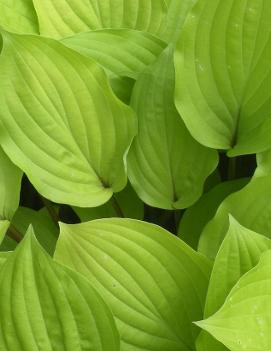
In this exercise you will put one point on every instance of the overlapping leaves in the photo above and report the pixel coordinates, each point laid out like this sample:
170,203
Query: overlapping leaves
45,306
239,252
153,282
250,206
62,18
243,322
223,74
166,166
64,65
61,123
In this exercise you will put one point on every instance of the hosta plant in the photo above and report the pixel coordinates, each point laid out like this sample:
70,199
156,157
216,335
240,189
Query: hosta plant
135,175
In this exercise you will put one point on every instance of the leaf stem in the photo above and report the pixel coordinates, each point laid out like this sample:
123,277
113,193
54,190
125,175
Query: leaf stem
14,234
50,208
117,207
232,168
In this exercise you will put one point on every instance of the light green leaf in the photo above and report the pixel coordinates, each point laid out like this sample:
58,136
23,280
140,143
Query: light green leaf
4,224
176,15
166,166
81,16
122,204
18,16
240,251
45,306
250,206
62,123
124,52
3,257
154,283
243,323
197,216
46,230
223,89
10,186
263,164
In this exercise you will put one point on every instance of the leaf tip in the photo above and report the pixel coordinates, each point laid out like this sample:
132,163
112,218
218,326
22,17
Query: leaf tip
65,230
199,323
232,219
30,236
203,324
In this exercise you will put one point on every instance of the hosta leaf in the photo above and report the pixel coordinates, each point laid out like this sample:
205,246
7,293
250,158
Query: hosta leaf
154,283
223,89
3,257
263,164
7,244
250,206
4,224
46,230
122,87
197,216
166,166
176,15
239,252
124,52
243,323
45,306
18,16
10,186
61,122
213,180
66,17
122,204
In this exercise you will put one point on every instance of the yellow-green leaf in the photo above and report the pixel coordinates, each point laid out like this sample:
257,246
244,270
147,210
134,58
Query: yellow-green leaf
61,123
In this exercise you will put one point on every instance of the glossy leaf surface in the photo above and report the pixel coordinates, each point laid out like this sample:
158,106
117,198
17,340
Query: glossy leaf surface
240,251
166,166
62,124
45,306
223,87
243,322
83,15
124,52
250,206
154,283
176,16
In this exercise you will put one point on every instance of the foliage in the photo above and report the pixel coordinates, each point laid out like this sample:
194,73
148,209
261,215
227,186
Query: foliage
135,175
